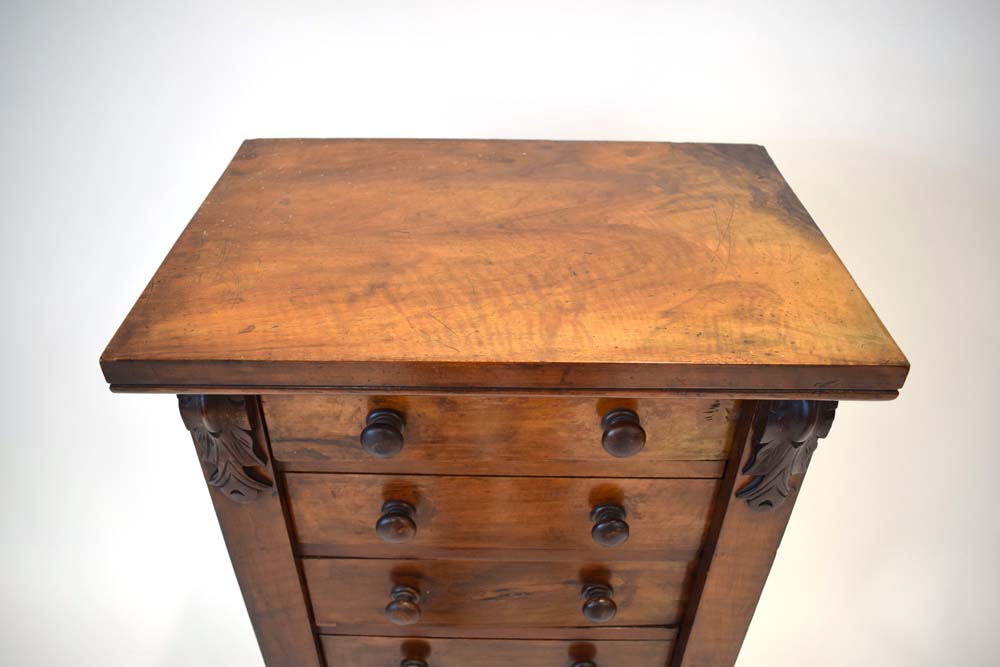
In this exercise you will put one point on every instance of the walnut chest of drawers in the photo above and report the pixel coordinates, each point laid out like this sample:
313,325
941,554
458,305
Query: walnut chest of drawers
503,402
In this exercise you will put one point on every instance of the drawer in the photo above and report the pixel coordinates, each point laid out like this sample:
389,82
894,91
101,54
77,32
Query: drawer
357,596
399,516
490,435
392,651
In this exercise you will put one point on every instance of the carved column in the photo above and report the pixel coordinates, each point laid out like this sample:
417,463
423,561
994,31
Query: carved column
232,443
784,448
774,440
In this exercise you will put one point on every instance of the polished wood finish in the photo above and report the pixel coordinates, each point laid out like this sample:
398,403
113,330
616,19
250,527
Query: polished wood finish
503,402
226,430
490,435
350,594
668,518
504,264
390,651
744,539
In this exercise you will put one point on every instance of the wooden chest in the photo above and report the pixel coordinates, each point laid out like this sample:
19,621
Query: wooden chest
503,402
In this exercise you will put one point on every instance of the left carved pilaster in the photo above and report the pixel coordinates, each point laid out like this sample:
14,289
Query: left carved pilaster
222,433
784,448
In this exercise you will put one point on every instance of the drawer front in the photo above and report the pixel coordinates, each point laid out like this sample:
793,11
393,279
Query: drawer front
489,435
392,651
546,517
356,596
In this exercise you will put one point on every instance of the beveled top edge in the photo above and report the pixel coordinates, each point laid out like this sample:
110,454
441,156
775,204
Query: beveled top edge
804,382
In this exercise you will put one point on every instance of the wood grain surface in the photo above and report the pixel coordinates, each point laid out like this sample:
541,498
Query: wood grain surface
503,264
668,518
349,595
501,435
390,651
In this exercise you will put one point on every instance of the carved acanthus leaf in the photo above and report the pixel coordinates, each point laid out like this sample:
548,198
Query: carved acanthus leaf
785,447
222,433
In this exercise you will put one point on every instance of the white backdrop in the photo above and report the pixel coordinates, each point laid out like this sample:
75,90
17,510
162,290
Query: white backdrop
117,117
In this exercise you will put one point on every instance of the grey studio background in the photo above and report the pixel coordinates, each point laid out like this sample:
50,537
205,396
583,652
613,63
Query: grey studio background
117,117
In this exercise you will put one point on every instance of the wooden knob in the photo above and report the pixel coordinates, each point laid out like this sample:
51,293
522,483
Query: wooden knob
403,609
623,435
396,523
598,606
610,528
382,435
413,663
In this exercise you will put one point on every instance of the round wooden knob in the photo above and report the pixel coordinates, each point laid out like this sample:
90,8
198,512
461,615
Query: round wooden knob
610,528
403,609
623,435
598,606
396,523
382,435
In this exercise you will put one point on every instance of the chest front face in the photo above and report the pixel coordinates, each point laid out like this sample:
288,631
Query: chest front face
533,402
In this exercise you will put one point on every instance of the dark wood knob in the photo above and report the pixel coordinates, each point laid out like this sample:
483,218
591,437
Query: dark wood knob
397,523
382,435
623,435
610,528
403,609
598,606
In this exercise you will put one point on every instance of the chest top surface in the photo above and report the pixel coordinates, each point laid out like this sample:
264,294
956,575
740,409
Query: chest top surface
518,264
